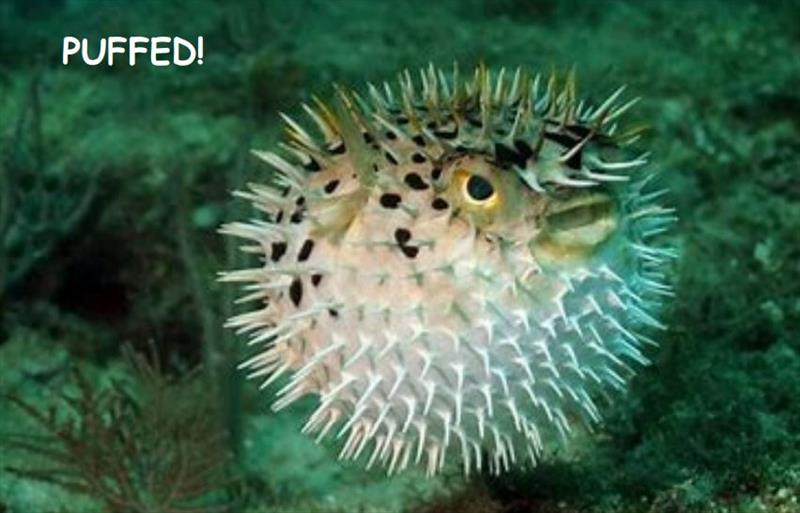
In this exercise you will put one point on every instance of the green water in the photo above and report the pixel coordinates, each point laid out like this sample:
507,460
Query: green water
114,179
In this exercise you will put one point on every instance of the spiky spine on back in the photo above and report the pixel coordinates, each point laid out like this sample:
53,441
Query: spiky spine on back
419,331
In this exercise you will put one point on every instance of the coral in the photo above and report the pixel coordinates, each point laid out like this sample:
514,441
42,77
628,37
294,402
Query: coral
150,446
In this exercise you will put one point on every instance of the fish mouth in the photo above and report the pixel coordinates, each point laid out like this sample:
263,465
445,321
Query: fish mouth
583,212
575,227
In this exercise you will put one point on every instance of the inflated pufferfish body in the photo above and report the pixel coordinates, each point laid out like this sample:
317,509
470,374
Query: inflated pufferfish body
459,268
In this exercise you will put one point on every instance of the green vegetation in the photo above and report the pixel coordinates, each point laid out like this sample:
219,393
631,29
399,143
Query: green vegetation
113,181
149,446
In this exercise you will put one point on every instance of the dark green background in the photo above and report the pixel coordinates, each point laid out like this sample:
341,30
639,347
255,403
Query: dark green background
114,180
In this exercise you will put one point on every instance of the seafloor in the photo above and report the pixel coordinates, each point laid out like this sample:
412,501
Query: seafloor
113,181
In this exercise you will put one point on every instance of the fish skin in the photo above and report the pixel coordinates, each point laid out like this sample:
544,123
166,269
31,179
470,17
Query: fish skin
437,316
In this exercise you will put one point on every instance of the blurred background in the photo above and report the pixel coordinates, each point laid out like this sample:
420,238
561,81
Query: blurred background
118,388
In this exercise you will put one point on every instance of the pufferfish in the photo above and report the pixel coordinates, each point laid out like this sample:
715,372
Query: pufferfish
456,268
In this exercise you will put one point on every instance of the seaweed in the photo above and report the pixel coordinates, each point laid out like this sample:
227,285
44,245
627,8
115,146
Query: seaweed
153,445
39,206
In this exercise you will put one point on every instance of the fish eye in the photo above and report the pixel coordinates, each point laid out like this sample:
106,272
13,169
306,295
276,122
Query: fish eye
478,189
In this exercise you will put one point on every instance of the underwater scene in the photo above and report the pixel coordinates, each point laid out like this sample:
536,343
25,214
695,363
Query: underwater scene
479,256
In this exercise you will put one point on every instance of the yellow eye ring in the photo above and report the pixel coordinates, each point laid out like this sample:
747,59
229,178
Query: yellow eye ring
477,190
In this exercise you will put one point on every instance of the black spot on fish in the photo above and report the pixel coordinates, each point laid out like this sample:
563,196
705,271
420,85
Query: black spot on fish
410,251
563,139
440,204
401,120
285,191
415,181
523,148
367,137
315,279
574,162
296,291
431,125
279,217
418,158
447,135
300,201
312,166
569,142
331,186
305,250
391,135
333,313
390,200
436,173
338,149
297,217
419,140
390,158
506,155
278,250
401,235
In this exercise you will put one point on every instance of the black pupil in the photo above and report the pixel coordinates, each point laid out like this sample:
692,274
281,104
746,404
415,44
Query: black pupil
479,188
